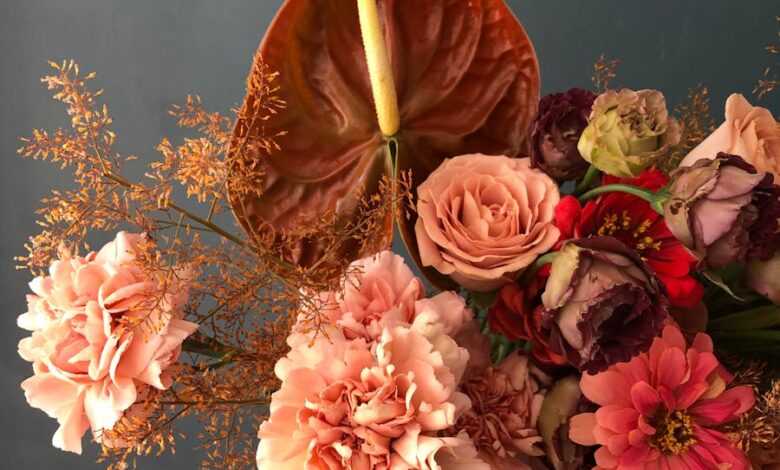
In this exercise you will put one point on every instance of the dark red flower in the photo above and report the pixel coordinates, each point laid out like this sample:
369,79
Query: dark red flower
632,221
517,314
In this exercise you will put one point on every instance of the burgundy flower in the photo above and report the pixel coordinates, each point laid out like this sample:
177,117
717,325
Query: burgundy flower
724,211
562,118
602,303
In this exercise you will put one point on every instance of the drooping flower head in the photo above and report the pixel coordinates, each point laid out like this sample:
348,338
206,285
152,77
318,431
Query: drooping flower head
628,132
662,409
556,131
483,219
637,225
603,304
91,355
724,211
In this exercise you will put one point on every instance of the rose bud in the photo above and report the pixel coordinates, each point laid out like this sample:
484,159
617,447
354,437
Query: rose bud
602,303
628,132
562,118
724,211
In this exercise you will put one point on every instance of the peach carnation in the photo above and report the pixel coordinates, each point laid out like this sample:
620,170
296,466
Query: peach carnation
348,404
89,366
506,402
663,409
376,290
483,219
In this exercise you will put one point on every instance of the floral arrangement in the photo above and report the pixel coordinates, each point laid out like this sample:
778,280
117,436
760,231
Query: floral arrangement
597,277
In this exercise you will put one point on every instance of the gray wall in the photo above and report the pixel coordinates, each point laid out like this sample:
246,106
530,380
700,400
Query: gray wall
151,53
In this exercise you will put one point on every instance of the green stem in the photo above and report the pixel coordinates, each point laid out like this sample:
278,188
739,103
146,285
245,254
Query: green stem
655,200
587,181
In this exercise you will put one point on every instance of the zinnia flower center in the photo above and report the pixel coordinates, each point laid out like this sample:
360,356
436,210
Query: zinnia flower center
674,433
623,228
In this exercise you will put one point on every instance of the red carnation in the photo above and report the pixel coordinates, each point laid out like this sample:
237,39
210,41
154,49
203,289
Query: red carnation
632,221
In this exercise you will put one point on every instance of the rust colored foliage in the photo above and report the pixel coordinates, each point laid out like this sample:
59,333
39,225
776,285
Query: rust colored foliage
467,80
243,293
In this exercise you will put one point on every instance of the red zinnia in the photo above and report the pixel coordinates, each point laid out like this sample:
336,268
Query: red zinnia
632,221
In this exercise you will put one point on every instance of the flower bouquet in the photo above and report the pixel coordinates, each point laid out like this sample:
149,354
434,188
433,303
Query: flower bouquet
596,277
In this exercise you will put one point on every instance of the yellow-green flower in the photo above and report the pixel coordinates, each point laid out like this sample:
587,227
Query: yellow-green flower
628,132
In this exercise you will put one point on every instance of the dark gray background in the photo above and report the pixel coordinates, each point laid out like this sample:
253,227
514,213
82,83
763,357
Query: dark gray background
151,53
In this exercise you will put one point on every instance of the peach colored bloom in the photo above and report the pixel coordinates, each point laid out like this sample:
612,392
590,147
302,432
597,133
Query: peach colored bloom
750,132
506,401
349,404
377,289
88,367
661,409
483,219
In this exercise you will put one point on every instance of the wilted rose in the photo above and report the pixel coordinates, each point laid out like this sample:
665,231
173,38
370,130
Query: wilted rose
628,132
603,304
562,118
749,131
724,211
483,219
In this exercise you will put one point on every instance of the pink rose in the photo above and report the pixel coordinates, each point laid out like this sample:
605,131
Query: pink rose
750,132
483,219
89,368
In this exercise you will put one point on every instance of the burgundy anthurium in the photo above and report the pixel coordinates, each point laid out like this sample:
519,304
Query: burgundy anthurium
466,77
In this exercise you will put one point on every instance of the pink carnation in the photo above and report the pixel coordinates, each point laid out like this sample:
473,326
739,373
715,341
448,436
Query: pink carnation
89,368
662,409
377,290
348,404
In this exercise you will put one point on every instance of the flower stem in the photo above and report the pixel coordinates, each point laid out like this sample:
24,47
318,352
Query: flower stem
655,200
587,181
379,70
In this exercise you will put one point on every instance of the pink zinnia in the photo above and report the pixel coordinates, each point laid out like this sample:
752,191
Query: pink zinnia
662,410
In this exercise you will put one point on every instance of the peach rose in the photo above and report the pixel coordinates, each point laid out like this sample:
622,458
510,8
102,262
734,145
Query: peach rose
483,219
750,132
89,368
